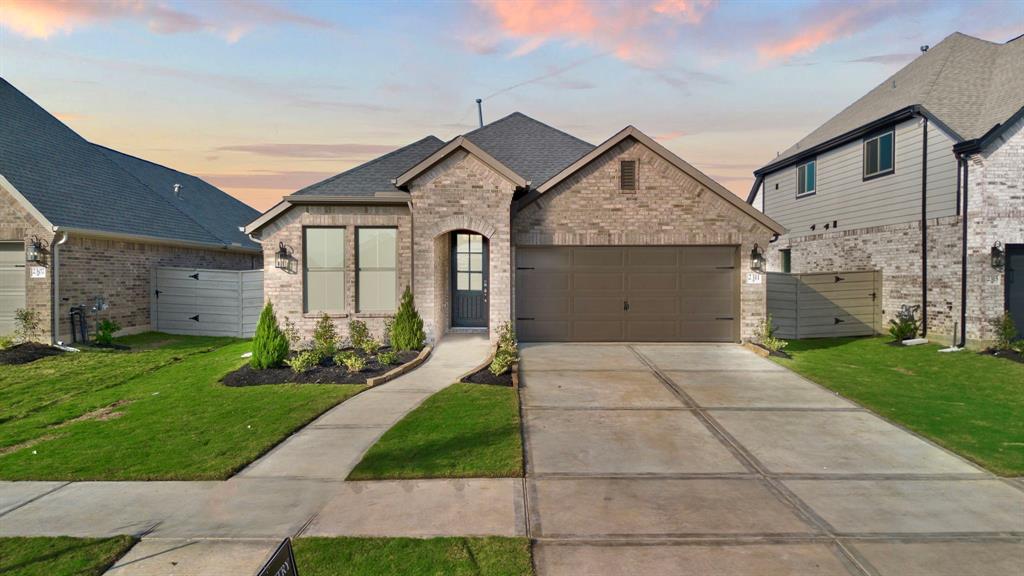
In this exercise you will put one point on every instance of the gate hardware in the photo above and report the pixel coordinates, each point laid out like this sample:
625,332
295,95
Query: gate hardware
194,276
196,318
625,305
839,279
724,318
522,318
158,293
838,321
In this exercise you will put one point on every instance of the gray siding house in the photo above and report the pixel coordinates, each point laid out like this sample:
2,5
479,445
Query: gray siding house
885,184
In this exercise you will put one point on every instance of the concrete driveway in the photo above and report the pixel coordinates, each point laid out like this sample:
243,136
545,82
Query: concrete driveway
706,459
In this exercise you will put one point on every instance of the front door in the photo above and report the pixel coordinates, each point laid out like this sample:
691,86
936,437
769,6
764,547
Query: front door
1015,285
469,280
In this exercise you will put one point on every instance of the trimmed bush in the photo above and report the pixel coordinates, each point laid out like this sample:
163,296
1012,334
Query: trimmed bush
407,328
358,333
904,326
387,358
508,350
354,363
1006,332
304,361
105,332
370,346
325,337
26,324
269,345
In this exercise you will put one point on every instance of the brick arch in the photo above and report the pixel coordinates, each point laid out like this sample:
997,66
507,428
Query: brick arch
461,222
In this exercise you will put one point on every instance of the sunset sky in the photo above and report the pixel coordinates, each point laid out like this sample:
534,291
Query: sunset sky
263,98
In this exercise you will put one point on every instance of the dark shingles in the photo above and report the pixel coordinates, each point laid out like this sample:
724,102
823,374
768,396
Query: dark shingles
376,175
528,147
77,184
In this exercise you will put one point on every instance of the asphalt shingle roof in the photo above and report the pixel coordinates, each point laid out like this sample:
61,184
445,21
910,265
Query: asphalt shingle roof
377,174
969,84
529,148
77,184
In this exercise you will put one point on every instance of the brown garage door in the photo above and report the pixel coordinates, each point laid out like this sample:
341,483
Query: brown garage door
627,293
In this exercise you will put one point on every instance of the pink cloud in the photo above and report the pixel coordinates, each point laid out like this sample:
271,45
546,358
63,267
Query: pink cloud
44,18
825,25
629,30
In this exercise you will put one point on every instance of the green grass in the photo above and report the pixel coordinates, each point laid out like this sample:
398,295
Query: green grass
970,403
464,431
172,418
60,556
435,556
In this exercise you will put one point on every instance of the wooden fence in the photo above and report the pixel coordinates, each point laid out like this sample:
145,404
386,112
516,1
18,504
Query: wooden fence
825,304
206,302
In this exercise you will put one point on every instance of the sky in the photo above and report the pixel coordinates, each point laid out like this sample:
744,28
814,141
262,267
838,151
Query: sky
263,98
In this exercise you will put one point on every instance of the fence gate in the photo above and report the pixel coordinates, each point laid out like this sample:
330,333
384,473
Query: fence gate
206,302
825,304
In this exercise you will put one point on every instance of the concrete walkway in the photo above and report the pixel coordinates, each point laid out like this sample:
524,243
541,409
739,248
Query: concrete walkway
706,459
226,528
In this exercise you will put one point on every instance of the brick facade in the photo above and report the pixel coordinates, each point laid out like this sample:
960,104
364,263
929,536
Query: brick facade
668,208
285,287
118,270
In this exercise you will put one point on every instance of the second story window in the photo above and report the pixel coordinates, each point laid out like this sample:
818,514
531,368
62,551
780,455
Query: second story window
879,155
806,178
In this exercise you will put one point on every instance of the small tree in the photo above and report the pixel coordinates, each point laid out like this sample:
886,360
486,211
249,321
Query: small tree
1006,332
26,324
269,345
358,333
325,337
407,329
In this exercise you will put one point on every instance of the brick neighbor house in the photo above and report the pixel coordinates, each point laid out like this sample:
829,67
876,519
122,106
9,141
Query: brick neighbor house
519,222
79,221
886,184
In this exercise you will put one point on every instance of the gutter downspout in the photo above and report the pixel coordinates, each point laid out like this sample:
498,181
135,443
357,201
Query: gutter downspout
924,229
963,262
412,248
55,296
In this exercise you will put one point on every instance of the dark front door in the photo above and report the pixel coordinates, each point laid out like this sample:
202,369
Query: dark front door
1015,285
469,280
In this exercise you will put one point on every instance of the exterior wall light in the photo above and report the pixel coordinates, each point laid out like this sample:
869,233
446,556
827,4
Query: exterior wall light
34,250
756,259
998,256
284,257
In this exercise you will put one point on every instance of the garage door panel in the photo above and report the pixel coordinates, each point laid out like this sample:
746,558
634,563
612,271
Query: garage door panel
674,293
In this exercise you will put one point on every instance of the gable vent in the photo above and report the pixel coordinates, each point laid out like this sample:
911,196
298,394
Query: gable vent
627,175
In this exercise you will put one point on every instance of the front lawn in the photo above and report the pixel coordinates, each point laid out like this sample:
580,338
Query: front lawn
60,556
464,431
155,412
437,556
970,403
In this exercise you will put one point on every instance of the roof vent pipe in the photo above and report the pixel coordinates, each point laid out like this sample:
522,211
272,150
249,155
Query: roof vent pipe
177,190
480,111
924,48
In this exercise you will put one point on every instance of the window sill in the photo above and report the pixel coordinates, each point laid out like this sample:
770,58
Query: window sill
807,195
375,314
315,315
879,175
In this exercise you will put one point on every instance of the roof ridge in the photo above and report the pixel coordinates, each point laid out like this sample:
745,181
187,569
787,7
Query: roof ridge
369,163
531,119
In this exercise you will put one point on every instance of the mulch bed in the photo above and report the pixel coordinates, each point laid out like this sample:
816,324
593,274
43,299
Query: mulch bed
326,373
1008,354
27,352
484,376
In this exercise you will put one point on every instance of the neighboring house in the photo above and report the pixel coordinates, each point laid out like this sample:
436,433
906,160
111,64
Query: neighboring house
884,185
519,222
79,221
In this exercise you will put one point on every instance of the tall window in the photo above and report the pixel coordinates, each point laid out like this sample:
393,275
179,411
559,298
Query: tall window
879,155
377,278
324,269
787,260
806,178
469,262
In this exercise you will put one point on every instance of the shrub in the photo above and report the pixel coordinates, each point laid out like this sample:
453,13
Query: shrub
508,350
407,328
904,326
269,345
105,332
388,358
291,332
370,345
6,342
765,335
351,361
1018,346
325,337
26,324
1006,332
386,339
358,333
304,361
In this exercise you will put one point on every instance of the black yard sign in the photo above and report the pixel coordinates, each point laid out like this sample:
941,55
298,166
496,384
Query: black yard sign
282,563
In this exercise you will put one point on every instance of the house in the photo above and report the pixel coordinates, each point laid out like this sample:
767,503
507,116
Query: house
886,183
79,222
520,222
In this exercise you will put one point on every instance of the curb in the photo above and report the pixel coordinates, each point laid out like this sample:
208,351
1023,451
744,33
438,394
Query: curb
401,370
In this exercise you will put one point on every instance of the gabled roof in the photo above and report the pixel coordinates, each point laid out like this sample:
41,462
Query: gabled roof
377,175
966,84
668,156
78,185
469,146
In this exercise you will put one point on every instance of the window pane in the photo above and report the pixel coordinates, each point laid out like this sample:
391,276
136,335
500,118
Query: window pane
462,281
462,262
871,157
885,153
325,247
476,282
462,242
377,247
476,262
810,177
476,244
325,291
801,179
376,290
